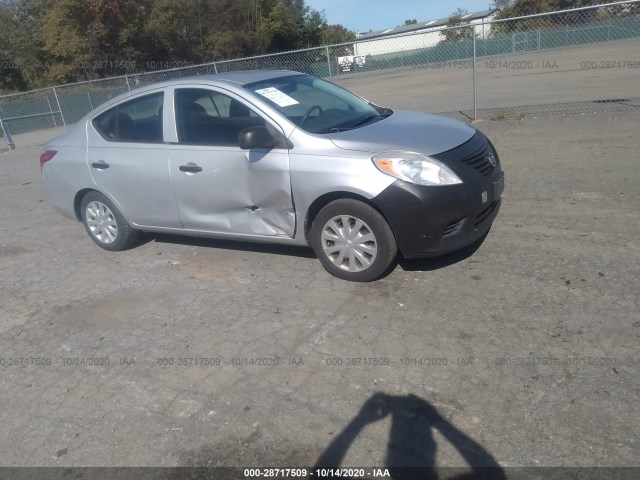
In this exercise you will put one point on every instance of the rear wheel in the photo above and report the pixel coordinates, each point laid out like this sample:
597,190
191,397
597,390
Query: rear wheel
353,241
104,223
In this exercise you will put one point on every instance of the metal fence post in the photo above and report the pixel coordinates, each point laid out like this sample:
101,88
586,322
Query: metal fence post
53,116
55,94
215,68
90,102
6,134
126,79
475,80
328,60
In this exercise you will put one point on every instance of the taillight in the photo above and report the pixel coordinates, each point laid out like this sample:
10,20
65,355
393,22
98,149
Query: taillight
45,157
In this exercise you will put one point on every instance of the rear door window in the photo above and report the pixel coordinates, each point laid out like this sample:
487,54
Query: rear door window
137,120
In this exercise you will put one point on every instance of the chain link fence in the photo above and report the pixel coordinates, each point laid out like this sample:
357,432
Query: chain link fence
574,60
6,142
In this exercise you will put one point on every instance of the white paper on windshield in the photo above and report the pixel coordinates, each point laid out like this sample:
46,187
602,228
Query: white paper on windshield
277,97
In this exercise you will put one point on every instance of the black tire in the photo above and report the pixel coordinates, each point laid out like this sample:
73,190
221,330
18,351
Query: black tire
124,236
383,242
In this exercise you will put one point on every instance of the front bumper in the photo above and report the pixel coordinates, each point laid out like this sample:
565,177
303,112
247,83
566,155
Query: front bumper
432,221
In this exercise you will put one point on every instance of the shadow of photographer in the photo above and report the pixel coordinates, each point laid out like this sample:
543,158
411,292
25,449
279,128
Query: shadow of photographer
411,449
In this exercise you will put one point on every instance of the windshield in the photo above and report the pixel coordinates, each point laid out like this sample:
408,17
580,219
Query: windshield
315,105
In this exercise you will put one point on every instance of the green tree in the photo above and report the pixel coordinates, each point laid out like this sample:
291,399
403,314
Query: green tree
92,38
519,8
11,69
336,34
457,34
313,28
174,32
57,41
229,27
501,4
523,8
281,29
21,42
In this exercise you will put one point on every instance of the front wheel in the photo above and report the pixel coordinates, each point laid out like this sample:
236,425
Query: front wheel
353,241
104,223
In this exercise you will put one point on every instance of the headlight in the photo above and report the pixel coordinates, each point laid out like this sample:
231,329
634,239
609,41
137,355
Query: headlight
415,168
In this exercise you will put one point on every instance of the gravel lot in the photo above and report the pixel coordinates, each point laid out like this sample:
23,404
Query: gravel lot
524,352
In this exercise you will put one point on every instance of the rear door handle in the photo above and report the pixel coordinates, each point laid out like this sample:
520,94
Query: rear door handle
190,168
101,165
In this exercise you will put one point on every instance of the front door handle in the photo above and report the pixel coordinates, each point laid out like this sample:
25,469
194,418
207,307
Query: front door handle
101,165
190,168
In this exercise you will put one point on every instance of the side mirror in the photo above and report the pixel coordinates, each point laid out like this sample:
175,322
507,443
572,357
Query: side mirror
255,137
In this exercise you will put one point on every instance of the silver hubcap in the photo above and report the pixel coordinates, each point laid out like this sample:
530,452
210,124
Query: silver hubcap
349,243
101,222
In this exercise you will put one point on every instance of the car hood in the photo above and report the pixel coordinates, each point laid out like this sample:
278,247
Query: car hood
412,131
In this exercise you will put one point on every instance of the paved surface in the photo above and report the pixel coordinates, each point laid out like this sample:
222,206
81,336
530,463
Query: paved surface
577,78
524,353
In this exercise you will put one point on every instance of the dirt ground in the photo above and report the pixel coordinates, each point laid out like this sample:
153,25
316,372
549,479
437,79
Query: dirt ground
184,351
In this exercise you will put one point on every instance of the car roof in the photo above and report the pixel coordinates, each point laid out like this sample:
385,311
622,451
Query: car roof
240,78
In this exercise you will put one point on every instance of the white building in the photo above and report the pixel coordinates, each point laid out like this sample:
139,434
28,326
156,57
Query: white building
418,35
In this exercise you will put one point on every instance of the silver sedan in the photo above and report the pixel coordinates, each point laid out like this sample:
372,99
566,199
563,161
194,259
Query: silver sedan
279,157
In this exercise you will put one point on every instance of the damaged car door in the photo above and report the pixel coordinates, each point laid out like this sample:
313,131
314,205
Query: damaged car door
220,187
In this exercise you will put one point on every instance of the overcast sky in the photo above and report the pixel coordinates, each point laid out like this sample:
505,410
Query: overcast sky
365,15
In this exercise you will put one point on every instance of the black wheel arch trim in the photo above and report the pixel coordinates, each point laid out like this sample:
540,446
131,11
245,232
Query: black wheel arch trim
325,199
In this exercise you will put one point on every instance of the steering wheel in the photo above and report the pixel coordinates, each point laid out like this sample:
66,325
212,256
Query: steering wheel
309,112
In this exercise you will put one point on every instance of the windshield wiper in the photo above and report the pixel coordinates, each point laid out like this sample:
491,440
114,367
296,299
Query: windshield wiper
366,119
335,129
